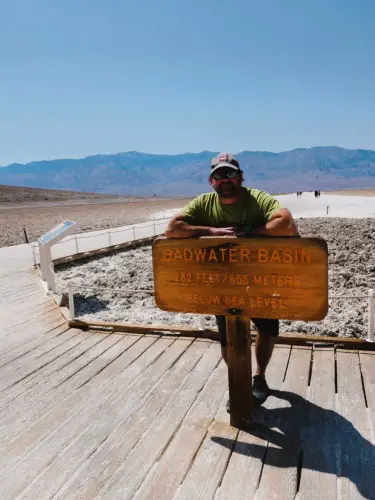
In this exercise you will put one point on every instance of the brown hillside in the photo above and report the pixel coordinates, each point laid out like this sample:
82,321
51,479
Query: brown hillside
15,194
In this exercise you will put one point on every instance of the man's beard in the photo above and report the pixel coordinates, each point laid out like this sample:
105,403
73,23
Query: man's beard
227,190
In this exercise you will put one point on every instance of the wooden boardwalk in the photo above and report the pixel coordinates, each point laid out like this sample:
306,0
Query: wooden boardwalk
87,415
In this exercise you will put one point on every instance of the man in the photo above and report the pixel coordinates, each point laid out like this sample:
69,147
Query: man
237,211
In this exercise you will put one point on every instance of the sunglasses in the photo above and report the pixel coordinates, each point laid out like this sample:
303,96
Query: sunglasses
230,174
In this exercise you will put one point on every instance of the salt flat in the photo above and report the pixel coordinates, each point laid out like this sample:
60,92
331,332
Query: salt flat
353,207
339,205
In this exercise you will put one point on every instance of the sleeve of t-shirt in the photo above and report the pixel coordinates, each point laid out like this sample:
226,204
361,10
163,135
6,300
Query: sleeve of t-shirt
268,204
192,212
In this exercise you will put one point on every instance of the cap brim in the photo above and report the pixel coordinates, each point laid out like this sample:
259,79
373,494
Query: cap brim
226,165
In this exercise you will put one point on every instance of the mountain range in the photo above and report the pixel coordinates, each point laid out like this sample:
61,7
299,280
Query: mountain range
141,174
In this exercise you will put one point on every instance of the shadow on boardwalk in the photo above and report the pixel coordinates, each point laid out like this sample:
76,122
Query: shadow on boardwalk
311,437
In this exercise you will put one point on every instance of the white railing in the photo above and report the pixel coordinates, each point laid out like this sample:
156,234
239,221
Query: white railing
109,238
103,238
87,242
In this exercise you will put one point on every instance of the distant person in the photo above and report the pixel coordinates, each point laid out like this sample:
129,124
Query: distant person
235,210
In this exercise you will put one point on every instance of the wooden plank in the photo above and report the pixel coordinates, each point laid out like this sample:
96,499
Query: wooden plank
139,328
367,361
25,329
128,477
17,317
244,469
38,357
27,334
70,379
279,479
32,365
284,339
123,431
239,372
16,420
27,347
10,302
353,431
281,278
167,474
41,301
122,367
319,469
28,315
74,349
210,463
9,281
18,292
17,288
104,409
58,392
43,342
38,325
22,298
308,340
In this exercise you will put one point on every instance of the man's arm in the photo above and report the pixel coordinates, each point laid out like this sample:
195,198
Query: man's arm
178,228
280,224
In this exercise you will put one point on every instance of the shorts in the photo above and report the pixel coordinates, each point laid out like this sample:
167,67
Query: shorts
265,326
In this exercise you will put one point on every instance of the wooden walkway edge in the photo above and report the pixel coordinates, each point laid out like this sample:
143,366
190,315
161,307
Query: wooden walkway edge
139,415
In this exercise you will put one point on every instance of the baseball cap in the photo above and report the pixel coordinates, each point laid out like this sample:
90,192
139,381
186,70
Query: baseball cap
224,160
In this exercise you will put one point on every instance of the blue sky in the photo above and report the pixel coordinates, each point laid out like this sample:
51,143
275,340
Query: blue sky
168,76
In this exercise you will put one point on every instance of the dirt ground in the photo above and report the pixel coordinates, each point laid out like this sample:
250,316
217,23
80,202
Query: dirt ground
13,195
38,219
38,210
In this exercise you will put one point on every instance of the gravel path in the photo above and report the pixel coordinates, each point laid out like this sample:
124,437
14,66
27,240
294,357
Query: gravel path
351,273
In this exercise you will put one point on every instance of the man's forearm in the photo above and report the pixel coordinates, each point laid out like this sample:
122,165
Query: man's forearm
277,227
180,229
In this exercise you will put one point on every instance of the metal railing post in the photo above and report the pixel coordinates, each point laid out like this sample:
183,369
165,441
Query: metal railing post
71,302
371,316
52,281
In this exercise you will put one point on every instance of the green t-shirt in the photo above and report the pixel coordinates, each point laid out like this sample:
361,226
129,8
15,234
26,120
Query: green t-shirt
254,208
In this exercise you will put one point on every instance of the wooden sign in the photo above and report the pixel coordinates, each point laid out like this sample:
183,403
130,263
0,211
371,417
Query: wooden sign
259,277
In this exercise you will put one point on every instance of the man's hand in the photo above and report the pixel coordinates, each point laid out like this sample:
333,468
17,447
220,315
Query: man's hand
222,231
178,228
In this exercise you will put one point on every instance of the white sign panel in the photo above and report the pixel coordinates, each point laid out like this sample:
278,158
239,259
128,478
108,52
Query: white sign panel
56,231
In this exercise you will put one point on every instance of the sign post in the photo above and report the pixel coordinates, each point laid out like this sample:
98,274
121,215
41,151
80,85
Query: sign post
239,371
241,278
